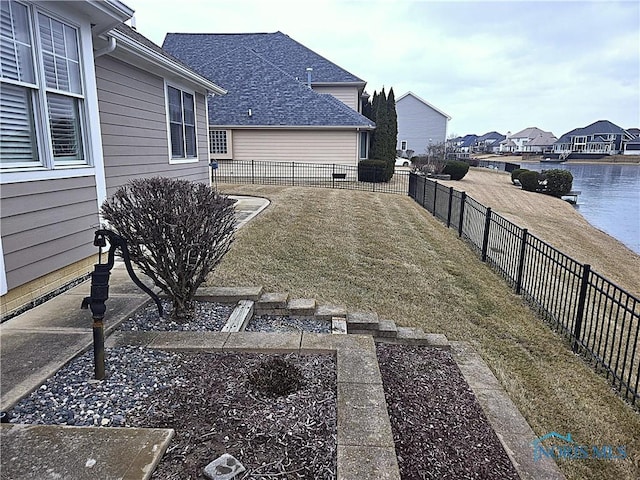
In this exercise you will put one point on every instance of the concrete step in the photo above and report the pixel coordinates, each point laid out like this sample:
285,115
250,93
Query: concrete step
240,317
359,321
302,307
228,294
272,303
415,336
387,328
328,312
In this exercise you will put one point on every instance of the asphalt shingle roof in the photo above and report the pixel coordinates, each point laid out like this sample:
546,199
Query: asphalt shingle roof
543,140
468,140
599,127
280,49
249,68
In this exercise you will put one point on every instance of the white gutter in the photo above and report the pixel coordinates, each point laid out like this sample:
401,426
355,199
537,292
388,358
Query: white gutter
108,49
114,8
131,46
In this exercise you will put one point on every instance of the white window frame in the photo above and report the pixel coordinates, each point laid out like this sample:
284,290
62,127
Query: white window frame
403,145
89,114
38,92
367,146
229,145
180,160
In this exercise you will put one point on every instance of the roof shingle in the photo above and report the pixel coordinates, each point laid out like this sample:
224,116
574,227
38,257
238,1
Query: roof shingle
249,67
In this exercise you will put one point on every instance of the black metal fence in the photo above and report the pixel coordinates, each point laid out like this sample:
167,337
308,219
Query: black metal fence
497,165
601,319
299,174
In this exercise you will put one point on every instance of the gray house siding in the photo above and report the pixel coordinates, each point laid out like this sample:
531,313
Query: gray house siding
46,225
418,124
133,121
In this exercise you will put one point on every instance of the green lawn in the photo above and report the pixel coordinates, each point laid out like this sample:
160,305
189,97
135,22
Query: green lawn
384,253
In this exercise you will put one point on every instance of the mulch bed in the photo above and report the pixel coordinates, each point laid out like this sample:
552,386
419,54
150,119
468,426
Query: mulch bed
214,410
439,428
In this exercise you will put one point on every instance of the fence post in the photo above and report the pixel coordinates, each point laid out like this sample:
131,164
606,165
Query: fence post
523,246
450,204
435,193
424,191
463,200
333,175
582,299
252,172
293,174
485,239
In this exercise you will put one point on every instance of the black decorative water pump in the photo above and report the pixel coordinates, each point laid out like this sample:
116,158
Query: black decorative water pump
100,290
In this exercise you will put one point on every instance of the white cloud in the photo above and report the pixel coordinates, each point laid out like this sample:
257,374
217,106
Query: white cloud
490,65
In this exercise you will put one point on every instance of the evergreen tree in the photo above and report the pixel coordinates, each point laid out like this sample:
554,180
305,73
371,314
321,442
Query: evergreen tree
381,136
392,131
367,110
373,108
382,110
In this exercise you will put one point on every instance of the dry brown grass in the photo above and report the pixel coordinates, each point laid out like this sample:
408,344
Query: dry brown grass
385,253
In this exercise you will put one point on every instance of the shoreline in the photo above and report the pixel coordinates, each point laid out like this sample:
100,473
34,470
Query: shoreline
556,222
602,161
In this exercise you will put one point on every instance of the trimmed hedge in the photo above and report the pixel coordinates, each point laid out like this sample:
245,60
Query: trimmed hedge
456,169
558,182
374,171
516,174
530,181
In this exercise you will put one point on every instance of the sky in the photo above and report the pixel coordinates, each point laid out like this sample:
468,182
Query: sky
502,65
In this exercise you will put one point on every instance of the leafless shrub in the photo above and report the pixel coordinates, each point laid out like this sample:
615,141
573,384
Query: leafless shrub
177,232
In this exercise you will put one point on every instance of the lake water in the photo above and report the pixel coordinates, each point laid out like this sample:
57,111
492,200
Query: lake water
609,198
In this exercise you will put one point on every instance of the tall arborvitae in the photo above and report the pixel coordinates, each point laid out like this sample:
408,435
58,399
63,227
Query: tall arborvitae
367,110
391,139
373,112
381,135
393,124
382,110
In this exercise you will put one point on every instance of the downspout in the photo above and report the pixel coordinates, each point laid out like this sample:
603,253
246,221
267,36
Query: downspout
108,49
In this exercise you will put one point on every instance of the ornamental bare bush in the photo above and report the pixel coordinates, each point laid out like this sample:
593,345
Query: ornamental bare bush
177,232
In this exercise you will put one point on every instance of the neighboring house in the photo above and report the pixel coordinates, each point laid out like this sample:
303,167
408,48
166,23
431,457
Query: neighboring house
86,104
634,132
461,147
543,143
593,141
488,143
285,102
420,124
519,142
632,147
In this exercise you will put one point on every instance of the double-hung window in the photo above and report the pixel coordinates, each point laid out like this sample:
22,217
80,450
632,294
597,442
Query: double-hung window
182,123
41,91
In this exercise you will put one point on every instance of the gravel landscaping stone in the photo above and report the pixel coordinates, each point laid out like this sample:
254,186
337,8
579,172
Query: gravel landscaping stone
207,316
272,323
